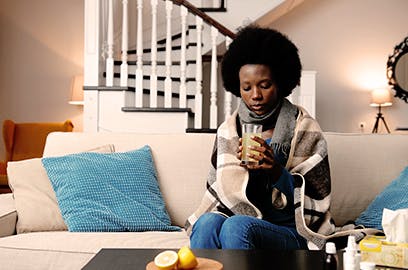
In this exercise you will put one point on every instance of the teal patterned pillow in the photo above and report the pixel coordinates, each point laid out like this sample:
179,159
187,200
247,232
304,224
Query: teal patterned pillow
108,192
393,197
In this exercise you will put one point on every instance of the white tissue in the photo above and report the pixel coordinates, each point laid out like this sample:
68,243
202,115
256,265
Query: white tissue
395,225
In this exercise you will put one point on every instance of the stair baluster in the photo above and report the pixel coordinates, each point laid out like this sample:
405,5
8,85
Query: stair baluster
167,81
109,60
198,101
228,95
213,87
183,90
139,55
124,66
153,72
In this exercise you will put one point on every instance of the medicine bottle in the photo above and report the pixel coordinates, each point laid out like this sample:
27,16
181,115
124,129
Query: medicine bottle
330,262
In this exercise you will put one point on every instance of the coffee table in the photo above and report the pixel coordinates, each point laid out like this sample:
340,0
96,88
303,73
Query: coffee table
231,259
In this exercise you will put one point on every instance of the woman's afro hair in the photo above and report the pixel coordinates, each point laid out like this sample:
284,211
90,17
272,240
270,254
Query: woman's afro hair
256,45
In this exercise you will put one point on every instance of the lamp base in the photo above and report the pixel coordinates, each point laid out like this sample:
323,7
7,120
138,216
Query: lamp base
377,122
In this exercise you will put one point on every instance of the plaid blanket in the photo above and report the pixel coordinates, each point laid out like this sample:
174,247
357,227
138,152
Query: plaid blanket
307,162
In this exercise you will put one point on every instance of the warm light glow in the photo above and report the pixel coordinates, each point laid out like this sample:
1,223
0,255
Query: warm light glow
77,92
381,97
363,72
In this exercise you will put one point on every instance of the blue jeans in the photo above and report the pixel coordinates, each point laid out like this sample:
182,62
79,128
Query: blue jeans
215,231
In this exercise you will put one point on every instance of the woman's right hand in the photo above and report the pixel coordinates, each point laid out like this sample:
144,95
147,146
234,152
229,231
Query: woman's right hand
264,156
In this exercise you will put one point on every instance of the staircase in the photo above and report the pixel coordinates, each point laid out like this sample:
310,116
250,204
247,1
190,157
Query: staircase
168,81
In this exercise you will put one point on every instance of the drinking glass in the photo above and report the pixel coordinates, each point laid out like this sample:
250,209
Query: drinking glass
249,130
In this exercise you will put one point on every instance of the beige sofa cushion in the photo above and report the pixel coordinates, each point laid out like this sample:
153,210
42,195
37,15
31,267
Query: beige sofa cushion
34,197
361,166
35,200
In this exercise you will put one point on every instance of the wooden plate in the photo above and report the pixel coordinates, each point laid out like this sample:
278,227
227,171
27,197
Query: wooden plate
203,264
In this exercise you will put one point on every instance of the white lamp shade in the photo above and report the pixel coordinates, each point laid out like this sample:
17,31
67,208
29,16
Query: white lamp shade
77,91
381,97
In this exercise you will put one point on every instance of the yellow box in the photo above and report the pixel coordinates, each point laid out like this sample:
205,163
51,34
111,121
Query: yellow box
376,249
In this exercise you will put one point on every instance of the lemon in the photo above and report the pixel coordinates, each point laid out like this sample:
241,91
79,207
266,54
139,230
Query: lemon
166,260
186,258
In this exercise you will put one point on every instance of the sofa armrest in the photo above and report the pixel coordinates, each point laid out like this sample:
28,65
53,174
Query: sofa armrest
8,215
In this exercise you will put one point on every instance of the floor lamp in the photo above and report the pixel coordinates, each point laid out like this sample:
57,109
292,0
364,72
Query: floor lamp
380,98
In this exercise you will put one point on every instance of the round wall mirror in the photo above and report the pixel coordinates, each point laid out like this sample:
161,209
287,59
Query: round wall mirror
397,70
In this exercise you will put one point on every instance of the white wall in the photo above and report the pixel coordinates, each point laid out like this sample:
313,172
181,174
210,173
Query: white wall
41,48
241,12
348,43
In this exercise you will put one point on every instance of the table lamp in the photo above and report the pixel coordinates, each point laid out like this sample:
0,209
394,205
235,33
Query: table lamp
77,91
380,97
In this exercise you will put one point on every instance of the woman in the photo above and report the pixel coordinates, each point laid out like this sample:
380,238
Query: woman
262,205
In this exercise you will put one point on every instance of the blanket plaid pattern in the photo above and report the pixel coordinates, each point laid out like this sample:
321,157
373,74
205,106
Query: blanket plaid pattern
308,163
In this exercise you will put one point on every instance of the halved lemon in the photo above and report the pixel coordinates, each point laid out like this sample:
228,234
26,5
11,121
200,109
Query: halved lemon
166,260
186,258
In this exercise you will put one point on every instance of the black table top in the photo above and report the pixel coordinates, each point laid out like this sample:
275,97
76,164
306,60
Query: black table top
231,259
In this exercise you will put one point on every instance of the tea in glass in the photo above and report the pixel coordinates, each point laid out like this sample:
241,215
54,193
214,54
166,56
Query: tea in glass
249,130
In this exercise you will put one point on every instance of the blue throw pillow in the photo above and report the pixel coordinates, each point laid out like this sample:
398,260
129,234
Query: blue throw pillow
394,196
108,192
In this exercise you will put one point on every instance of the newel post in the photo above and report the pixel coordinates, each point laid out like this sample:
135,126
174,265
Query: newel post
93,63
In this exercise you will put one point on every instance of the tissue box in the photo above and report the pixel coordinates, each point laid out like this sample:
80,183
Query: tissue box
376,249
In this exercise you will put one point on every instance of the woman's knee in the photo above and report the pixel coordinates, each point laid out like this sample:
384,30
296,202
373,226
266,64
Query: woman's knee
209,220
208,223
236,232
205,231
237,224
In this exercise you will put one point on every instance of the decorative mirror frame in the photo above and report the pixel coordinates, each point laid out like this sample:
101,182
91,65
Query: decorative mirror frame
399,51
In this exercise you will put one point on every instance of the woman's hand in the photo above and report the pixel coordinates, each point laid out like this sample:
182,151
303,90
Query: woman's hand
264,155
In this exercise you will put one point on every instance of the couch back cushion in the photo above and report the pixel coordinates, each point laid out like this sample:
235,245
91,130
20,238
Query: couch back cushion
182,162
361,166
34,198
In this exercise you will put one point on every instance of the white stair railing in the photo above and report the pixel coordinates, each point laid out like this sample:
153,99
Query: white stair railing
209,34
185,8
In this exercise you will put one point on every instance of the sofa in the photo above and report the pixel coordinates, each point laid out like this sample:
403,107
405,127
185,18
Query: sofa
361,166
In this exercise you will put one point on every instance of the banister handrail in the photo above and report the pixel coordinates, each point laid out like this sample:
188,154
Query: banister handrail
221,28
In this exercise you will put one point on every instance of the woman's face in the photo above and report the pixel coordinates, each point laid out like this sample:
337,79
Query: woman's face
257,89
